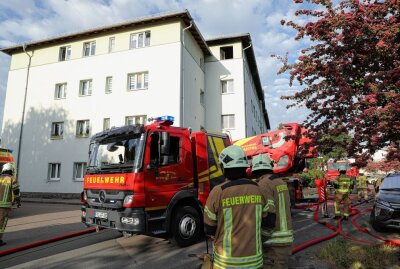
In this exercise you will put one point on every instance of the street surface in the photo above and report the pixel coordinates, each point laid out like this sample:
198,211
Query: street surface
108,249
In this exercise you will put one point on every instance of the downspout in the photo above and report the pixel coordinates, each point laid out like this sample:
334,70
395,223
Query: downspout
182,110
244,94
23,108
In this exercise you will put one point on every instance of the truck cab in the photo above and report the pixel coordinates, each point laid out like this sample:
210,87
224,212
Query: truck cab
151,179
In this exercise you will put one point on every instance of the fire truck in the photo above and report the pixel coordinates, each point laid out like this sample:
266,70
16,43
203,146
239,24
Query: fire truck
283,147
334,166
152,179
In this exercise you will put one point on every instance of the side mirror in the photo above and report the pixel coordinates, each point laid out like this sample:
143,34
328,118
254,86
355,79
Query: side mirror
164,143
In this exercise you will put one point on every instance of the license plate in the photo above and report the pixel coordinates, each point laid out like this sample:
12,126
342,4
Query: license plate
101,215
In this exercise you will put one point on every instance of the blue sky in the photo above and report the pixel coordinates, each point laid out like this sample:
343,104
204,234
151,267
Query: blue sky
30,20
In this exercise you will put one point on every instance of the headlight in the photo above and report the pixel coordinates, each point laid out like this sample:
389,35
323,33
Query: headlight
283,162
128,199
382,202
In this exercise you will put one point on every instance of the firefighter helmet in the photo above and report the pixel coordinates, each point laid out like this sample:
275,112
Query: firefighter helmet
8,167
233,157
261,162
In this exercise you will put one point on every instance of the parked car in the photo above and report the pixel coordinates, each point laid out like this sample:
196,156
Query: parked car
386,209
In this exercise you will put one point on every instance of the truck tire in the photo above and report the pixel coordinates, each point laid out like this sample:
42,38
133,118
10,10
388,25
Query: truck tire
186,226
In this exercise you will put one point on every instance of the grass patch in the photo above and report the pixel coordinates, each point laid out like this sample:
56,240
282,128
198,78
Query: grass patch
343,254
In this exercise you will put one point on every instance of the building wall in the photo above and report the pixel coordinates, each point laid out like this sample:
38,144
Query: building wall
255,123
219,103
178,73
38,149
161,34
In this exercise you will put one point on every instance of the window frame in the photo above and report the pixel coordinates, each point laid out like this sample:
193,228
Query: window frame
226,82
104,124
86,126
57,90
57,172
145,81
142,118
66,55
111,44
90,48
202,97
83,170
89,89
109,83
140,40
228,127
52,131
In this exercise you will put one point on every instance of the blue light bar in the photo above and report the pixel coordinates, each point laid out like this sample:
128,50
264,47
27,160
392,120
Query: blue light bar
165,118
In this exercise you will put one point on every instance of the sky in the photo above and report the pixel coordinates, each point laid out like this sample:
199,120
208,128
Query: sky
31,20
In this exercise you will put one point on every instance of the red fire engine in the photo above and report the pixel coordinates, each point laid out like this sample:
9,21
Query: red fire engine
151,179
334,166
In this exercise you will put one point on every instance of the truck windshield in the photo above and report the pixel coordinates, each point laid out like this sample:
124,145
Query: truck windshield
119,154
339,166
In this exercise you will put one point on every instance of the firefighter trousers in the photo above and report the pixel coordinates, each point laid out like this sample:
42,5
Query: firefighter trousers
3,220
339,197
363,193
277,257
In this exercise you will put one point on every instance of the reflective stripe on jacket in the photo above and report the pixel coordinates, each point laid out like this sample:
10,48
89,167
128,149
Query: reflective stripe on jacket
6,193
344,184
275,188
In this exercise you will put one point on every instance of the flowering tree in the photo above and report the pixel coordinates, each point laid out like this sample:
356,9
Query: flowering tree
351,74
384,166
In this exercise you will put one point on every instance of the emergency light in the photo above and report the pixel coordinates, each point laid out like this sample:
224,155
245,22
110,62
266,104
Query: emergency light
164,118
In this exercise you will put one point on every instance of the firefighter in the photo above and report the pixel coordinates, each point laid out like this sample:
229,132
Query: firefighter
277,242
234,213
343,187
362,187
7,181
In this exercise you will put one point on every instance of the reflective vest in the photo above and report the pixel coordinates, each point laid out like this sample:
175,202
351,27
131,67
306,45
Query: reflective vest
362,182
344,184
277,194
6,193
236,209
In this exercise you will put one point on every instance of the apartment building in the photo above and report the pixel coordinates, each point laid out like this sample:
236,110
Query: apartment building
67,88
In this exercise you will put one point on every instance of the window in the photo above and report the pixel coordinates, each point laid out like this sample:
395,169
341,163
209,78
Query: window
202,97
171,157
139,40
228,121
57,129
138,81
89,48
111,44
54,171
60,91
79,171
133,120
227,86
109,84
64,53
106,124
226,53
85,87
82,128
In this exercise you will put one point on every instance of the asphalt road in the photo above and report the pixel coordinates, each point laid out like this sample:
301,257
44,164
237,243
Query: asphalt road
108,249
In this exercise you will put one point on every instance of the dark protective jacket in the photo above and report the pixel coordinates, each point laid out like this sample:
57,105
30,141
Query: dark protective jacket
236,208
277,193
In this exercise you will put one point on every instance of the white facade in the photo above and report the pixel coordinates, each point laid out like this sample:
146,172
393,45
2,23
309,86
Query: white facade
167,75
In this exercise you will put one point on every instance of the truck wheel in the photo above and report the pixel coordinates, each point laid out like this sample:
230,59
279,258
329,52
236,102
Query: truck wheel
186,226
374,223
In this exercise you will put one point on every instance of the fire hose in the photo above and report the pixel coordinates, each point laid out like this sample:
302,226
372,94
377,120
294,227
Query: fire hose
46,241
338,230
